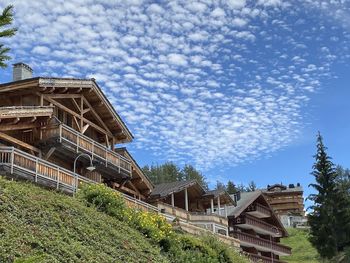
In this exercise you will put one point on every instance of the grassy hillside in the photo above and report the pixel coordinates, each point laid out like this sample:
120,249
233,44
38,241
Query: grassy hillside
40,225
302,250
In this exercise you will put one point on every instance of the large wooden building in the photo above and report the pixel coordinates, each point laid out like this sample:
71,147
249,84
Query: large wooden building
258,228
63,131
287,202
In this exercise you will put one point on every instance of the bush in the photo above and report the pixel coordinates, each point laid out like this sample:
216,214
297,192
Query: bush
104,199
151,225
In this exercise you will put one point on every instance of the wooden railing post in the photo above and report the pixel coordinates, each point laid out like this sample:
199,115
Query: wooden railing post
58,177
60,133
36,170
12,158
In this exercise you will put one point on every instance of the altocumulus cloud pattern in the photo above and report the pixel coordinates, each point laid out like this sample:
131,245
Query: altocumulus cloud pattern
206,82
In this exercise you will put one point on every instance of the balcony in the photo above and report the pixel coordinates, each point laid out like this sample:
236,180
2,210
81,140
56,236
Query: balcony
258,210
261,244
22,164
259,226
77,142
212,222
262,259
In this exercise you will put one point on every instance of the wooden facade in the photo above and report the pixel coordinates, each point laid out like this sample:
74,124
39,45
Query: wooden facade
46,123
258,228
288,203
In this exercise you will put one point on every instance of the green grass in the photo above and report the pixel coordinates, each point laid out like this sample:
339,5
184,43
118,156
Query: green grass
302,250
39,225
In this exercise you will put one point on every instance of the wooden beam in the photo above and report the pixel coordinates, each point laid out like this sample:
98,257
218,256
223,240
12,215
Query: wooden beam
84,129
21,126
15,121
64,96
81,114
73,113
76,122
126,189
96,115
33,119
49,153
11,139
86,110
76,105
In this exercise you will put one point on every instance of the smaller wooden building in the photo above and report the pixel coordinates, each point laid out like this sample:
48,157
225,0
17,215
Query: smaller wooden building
287,202
258,228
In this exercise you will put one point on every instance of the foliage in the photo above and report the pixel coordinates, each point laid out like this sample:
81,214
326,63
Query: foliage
104,199
170,172
38,225
330,216
6,19
231,188
302,249
177,247
203,249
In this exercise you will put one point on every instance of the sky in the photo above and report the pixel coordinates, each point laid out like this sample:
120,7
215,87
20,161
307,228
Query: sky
237,88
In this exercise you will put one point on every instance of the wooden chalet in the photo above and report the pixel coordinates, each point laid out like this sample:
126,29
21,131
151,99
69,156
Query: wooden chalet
258,228
287,202
62,131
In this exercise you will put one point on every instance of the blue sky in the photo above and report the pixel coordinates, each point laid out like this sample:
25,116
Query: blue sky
237,88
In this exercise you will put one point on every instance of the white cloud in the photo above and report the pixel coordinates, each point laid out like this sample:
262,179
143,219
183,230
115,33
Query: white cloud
208,83
41,50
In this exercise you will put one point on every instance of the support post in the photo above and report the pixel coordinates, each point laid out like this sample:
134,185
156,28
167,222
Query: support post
186,200
212,205
172,200
219,205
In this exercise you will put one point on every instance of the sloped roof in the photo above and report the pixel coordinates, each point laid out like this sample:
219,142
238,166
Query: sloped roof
248,198
147,181
74,83
165,189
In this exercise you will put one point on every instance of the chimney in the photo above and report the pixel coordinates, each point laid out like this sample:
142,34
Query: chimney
22,71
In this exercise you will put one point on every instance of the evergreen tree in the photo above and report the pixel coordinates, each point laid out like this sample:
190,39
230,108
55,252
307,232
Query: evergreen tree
231,188
6,19
251,187
189,172
170,172
220,186
329,219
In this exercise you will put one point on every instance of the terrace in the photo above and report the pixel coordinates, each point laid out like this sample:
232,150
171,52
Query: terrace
76,142
261,244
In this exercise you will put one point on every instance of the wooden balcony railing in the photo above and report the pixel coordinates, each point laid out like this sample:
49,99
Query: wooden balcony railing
29,165
255,241
212,222
22,163
257,224
262,259
84,143
256,207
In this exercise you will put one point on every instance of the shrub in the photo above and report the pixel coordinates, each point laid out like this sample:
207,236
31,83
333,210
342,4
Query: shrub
104,199
151,225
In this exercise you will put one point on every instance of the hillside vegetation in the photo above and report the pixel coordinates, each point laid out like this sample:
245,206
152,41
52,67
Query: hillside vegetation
40,225
302,250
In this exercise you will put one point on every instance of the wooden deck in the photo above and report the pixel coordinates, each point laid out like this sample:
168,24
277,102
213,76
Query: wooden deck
82,143
212,222
250,222
262,244
17,162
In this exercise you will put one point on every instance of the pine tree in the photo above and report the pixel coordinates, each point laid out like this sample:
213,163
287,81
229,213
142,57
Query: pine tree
329,219
231,188
6,19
